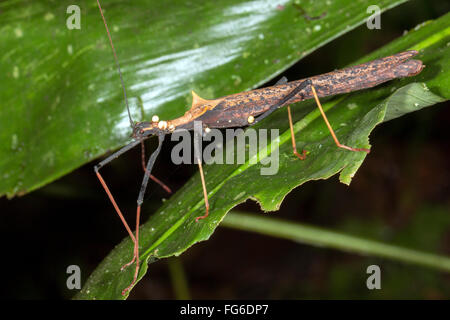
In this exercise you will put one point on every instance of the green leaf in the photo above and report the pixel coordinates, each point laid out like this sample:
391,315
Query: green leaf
62,105
409,98
172,229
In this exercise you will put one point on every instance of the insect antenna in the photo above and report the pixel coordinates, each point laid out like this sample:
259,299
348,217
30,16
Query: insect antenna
117,64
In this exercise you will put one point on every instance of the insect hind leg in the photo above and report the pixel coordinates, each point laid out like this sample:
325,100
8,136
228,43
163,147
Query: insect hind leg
282,102
338,144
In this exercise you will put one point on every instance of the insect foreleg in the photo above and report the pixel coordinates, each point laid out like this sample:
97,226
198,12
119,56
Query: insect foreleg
105,186
140,200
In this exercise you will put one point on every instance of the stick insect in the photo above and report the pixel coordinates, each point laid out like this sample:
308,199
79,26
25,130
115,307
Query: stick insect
246,109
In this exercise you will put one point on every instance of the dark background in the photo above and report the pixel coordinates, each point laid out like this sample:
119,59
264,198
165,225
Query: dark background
400,196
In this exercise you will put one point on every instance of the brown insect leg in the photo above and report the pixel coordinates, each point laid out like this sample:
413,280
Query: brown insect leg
136,245
135,239
162,184
135,253
294,147
116,207
330,128
205,193
140,200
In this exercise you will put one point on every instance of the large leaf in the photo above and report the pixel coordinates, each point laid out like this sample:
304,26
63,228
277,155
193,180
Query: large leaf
61,101
172,229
